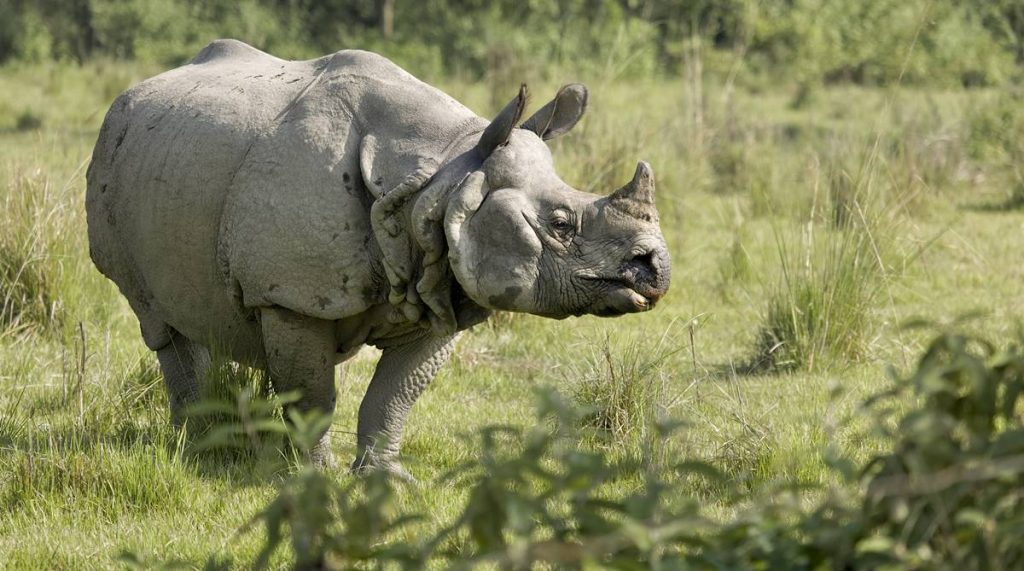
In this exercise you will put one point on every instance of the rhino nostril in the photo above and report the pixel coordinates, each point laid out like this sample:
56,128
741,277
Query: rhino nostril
641,267
644,260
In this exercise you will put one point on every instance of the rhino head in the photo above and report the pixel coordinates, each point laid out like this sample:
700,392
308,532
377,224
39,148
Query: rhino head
521,239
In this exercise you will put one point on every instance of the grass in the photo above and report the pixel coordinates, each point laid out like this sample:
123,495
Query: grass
820,311
90,467
29,273
623,392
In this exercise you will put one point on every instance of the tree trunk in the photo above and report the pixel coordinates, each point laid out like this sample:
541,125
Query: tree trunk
387,18
85,42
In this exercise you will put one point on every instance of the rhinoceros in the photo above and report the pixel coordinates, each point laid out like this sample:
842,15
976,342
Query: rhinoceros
287,213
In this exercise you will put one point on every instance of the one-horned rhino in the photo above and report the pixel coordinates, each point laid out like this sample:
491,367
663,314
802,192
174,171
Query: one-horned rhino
289,212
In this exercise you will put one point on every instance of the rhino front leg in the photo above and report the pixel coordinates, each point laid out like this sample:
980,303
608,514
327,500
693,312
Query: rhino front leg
300,357
402,374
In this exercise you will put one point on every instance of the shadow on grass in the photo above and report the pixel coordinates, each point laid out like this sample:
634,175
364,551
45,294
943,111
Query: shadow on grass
764,366
1012,203
138,468
751,366
251,465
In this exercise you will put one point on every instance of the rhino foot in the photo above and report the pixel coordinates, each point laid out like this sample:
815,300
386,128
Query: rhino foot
321,456
367,463
184,364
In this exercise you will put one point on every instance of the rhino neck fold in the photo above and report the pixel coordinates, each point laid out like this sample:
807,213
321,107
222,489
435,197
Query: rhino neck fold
408,223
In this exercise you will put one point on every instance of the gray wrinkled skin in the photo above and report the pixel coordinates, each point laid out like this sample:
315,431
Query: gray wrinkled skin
288,213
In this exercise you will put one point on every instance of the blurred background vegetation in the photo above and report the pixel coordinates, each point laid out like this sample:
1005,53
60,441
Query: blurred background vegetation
960,42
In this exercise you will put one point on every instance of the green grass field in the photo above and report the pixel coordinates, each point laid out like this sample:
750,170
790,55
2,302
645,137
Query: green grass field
808,225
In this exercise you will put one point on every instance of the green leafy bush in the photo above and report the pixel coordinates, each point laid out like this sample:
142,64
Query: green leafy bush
948,494
945,495
994,139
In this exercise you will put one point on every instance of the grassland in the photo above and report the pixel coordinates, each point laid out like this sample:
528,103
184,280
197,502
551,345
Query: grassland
904,198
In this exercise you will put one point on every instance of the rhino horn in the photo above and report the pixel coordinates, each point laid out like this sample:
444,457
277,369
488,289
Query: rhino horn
636,198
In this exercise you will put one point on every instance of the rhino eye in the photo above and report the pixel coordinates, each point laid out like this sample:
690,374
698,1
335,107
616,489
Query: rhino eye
563,225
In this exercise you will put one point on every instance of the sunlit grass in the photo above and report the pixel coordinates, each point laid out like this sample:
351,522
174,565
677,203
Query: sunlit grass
90,466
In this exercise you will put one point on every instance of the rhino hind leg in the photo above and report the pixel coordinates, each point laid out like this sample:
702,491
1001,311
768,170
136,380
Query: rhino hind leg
184,364
300,352
402,374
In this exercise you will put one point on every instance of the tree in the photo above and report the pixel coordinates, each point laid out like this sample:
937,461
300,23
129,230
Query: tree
387,18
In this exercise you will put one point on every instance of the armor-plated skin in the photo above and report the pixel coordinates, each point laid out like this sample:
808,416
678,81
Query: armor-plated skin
290,212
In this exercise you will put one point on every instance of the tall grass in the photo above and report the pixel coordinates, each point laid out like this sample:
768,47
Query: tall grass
34,226
820,313
821,309
237,411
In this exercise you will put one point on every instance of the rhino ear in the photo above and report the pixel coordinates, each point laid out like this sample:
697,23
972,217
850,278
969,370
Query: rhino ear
500,129
462,204
560,114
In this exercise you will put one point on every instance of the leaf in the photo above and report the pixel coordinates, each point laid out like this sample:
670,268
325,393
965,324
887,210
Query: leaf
972,517
637,533
221,436
287,398
841,464
270,425
1009,442
208,407
486,518
876,544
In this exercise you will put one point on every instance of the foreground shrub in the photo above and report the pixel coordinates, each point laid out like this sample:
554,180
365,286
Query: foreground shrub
946,495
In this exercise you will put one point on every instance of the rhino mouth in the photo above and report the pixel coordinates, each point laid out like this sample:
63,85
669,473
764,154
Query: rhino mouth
619,296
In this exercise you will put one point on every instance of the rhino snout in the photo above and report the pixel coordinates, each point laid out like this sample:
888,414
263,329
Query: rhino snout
648,273
641,281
